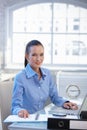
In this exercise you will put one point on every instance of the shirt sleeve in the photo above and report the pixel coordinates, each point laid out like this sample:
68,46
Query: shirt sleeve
17,100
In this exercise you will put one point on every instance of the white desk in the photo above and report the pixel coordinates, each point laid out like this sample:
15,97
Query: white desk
30,125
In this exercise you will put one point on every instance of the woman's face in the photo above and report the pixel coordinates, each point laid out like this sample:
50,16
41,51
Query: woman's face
36,56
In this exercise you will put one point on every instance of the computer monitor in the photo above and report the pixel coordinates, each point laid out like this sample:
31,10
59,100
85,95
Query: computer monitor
72,85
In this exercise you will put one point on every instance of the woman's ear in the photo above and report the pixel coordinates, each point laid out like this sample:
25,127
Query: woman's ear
27,56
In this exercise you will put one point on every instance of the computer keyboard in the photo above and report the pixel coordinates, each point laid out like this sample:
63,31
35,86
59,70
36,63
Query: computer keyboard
55,109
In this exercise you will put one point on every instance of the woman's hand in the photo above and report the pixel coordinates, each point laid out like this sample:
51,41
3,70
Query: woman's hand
70,105
23,114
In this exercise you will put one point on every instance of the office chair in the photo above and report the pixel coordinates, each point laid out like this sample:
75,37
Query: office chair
5,100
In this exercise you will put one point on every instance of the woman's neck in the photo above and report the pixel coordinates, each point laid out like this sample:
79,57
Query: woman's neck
38,71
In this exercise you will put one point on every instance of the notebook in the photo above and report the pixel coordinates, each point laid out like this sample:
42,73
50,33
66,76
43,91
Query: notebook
82,107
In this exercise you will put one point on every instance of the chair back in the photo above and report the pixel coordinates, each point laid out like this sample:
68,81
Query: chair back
5,100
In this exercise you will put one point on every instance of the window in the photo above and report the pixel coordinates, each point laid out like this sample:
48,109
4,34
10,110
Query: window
60,27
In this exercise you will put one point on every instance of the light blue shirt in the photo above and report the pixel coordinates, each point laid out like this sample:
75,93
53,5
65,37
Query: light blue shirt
31,93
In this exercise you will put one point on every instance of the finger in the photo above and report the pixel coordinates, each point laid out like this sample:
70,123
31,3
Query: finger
20,114
25,114
74,107
67,106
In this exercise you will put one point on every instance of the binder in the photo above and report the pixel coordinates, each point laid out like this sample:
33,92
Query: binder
67,124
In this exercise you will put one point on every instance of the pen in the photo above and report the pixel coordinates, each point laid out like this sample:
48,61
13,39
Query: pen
37,116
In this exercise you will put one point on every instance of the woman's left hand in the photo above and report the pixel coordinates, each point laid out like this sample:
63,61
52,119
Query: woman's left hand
70,105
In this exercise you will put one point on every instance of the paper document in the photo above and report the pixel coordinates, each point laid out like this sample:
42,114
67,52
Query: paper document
31,118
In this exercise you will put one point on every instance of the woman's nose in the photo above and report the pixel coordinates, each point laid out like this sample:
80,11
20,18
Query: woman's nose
38,58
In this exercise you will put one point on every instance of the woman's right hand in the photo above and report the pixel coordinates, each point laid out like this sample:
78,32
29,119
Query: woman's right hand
23,114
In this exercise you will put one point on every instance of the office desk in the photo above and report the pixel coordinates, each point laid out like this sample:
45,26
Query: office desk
29,126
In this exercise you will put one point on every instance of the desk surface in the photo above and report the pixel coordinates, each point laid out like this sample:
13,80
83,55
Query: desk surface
29,126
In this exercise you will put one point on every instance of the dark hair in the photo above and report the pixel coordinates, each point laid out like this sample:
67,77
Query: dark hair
29,45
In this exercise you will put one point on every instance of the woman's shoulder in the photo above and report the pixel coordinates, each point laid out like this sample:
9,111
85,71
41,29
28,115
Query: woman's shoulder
20,74
45,70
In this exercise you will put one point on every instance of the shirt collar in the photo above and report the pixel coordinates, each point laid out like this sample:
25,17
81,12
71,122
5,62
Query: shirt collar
30,72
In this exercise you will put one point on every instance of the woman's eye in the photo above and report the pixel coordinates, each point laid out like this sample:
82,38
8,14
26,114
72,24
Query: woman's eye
38,55
33,54
42,54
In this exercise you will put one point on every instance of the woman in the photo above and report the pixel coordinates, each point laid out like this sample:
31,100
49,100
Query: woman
34,84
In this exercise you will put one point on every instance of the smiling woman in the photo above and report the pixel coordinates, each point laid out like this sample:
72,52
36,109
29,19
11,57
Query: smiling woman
34,84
